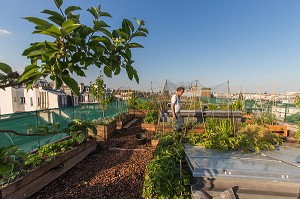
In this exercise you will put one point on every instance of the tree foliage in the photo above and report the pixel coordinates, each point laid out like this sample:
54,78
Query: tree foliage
74,46
98,91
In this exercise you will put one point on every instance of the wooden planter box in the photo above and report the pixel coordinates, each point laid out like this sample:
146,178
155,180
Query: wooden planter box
138,113
42,176
279,130
168,128
198,129
148,127
104,132
128,118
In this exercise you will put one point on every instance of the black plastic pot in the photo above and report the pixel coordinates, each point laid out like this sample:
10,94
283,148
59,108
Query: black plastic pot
140,138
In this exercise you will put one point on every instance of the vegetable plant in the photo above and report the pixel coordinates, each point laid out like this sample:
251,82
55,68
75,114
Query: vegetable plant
165,177
48,152
151,117
104,121
8,159
78,129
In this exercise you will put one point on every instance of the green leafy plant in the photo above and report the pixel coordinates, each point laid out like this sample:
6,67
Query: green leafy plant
75,46
8,159
297,134
257,137
104,121
238,105
48,152
151,117
219,134
165,178
78,129
266,118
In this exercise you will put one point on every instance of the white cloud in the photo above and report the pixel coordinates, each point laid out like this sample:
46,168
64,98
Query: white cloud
4,32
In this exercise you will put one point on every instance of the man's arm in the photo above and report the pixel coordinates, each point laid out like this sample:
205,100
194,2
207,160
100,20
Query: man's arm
173,110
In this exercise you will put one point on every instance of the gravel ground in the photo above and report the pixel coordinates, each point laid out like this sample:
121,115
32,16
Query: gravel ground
105,173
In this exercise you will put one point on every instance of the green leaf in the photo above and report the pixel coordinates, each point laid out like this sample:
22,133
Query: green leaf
30,67
56,20
5,68
128,53
58,3
102,39
51,31
34,51
73,134
100,24
70,25
71,9
136,77
81,138
135,45
57,15
36,21
125,27
106,32
105,14
141,34
143,30
130,72
28,74
129,24
93,11
117,70
107,71
71,83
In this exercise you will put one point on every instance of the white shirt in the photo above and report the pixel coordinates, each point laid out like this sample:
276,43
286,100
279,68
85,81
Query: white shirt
176,100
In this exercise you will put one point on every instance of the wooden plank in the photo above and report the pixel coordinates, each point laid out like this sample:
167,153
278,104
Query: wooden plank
123,149
33,175
130,123
45,179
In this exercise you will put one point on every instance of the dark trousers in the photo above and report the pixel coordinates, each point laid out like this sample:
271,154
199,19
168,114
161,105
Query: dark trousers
178,122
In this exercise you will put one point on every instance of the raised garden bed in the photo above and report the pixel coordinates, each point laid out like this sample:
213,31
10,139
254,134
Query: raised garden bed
42,176
280,130
107,173
138,113
123,122
197,129
148,127
104,132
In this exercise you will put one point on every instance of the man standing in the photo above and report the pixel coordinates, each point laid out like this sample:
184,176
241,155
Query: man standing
175,107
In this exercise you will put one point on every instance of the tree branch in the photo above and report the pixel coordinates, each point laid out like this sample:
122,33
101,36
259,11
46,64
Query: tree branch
33,134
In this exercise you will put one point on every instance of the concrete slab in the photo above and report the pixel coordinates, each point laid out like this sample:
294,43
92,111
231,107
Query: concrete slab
268,173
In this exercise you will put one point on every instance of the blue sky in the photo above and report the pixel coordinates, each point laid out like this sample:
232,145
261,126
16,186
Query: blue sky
250,42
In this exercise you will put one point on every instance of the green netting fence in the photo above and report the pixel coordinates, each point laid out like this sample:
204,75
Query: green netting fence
23,121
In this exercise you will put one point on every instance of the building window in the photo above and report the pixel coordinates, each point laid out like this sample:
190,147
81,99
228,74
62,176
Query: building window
22,99
39,101
31,101
15,98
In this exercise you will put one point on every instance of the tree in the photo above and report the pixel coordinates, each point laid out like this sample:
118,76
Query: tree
98,91
75,46
7,76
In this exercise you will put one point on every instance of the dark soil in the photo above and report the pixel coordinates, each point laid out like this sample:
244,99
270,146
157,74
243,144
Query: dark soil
107,173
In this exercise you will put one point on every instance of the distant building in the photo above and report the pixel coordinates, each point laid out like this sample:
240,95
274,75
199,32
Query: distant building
86,95
41,96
